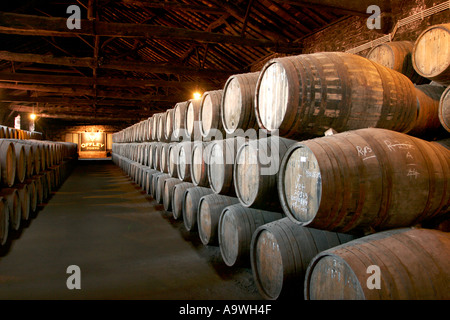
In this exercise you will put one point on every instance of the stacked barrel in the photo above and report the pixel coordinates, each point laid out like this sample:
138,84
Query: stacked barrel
13,133
327,174
30,170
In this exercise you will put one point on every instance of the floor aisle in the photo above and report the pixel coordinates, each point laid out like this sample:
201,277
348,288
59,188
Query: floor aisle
125,245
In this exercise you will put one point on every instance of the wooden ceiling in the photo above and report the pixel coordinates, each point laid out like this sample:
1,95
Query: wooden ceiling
132,58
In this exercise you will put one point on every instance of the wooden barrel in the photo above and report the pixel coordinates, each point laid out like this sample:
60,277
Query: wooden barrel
37,152
220,164
444,109
367,178
237,109
193,120
443,142
303,96
161,134
31,184
177,199
210,115
45,186
199,174
34,155
146,151
45,156
164,158
144,179
150,129
139,153
179,120
411,263
3,132
397,55
280,252
184,161
155,125
139,174
168,130
169,186
39,189
431,54
8,163
235,230
173,160
12,198
148,180
427,123
160,187
256,172
4,221
154,185
151,154
191,199
210,208
157,155
24,200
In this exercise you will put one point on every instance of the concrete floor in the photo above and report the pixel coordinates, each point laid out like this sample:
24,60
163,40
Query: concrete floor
124,243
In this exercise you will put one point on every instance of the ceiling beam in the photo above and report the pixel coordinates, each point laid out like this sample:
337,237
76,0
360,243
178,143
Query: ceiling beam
83,91
13,23
68,101
144,67
167,5
93,118
101,81
358,8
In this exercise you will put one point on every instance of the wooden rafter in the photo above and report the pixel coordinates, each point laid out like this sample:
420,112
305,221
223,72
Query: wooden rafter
13,23
89,62
101,81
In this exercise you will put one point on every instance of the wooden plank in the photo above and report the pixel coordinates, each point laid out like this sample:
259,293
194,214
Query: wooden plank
101,81
144,67
82,91
358,8
12,23
78,102
168,5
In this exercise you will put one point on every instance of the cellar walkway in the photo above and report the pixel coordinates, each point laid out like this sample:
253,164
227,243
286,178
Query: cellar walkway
125,245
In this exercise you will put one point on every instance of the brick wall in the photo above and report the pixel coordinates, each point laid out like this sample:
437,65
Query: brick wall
353,31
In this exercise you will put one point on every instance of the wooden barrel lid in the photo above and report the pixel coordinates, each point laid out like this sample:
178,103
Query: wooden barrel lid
207,111
302,184
272,96
444,109
431,53
269,269
246,174
232,103
216,173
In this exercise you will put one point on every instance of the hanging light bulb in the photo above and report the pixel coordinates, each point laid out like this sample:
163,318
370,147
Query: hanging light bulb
197,95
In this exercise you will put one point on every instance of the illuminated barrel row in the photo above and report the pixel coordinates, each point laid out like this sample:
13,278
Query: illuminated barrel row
359,181
380,170
13,133
20,200
305,95
232,232
21,159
